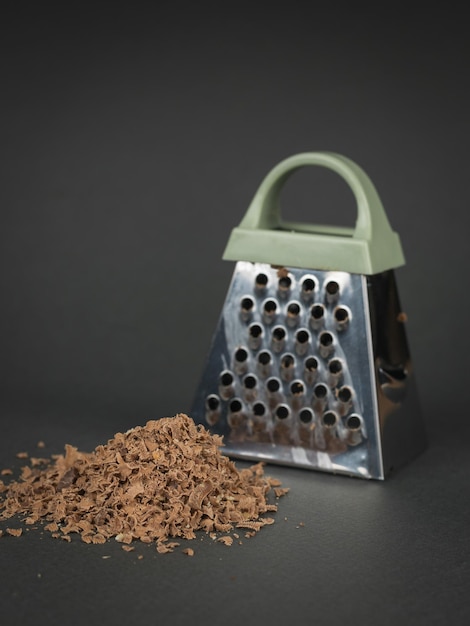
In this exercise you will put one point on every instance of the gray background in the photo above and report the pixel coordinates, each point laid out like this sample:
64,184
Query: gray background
132,141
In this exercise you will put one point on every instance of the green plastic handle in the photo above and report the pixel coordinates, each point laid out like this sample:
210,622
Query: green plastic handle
262,236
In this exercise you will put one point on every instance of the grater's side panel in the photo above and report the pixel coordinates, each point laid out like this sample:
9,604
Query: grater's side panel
288,378
403,434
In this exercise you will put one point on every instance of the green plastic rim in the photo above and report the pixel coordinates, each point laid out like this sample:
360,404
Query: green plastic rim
263,237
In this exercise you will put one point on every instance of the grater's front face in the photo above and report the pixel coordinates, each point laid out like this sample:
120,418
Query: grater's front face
290,375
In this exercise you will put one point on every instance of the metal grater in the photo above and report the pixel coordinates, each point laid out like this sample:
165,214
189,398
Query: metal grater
309,365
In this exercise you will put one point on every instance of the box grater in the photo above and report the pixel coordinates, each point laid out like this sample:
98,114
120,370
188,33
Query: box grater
309,365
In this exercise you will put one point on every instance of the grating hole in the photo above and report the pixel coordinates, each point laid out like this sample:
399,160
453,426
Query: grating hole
241,355
273,385
329,418
293,308
320,391
259,409
332,288
341,314
317,311
344,394
302,336
249,381
255,330
270,306
306,416
279,333
326,339
226,379
285,282
264,358
311,364
353,422
261,280
247,304
335,366
308,285
212,402
287,360
282,412
235,405
297,387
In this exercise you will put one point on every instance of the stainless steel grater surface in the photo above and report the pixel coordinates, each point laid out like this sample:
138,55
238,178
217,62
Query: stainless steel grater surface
310,367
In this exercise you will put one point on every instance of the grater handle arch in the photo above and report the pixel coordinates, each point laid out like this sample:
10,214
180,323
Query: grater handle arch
371,247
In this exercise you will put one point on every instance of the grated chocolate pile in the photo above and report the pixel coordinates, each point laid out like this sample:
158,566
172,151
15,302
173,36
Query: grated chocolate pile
167,479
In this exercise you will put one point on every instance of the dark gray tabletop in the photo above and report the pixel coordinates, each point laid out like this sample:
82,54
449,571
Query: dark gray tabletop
132,143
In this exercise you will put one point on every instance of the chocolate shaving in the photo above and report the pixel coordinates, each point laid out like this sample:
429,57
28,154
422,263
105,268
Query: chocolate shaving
226,540
165,480
163,548
282,272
